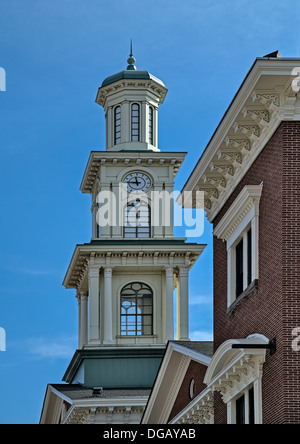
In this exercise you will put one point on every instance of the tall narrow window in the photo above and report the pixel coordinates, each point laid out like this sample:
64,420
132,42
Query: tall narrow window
135,122
137,220
136,310
240,410
151,125
249,256
251,406
245,407
117,124
239,268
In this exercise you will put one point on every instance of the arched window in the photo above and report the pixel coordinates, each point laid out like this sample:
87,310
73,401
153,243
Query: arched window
135,122
117,124
151,125
136,310
137,223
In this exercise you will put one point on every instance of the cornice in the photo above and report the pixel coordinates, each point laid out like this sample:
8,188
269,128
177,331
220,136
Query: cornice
127,159
152,87
248,198
120,254
249,123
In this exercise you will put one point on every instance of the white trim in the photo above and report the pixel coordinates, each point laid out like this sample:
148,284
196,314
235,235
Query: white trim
280,103
187,356
242,215
239,214
194,355
233,370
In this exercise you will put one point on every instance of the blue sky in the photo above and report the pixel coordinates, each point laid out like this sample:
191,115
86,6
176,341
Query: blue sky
56,54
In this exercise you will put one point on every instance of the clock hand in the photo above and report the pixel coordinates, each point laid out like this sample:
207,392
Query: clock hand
135,182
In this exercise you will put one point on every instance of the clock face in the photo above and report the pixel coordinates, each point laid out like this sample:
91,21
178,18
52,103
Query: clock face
137,182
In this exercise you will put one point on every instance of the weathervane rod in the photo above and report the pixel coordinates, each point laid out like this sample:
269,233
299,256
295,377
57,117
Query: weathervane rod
130,55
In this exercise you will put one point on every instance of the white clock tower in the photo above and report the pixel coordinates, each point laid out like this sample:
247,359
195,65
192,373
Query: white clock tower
132,278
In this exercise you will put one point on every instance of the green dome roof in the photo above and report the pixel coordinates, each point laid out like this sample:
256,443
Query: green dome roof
131,74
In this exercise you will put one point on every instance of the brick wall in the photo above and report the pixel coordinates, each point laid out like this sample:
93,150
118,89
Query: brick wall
197,372
275,310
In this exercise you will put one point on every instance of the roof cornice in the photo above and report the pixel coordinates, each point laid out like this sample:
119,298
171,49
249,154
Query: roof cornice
121,254
264,100
127,159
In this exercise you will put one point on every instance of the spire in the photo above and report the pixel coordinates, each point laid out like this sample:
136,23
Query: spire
131,59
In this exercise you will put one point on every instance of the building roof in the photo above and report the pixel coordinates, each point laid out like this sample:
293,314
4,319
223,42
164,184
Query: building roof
77,392
267,97
130,74
203,347
169,379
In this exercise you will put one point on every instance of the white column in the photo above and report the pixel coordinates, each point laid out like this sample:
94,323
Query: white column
183,322
157,211
107,321
110,127
155,125
94,295
169,304
125,121
78,297
143,122
83,320
168,210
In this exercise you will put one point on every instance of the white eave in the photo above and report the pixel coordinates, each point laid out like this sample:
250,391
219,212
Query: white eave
149,254
265,99
127,159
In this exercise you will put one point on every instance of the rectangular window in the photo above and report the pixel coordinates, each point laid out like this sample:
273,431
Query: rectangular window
243,263
151,125
244,408
239,267
240,410
135,122
249,256
117,124
238,224
251,406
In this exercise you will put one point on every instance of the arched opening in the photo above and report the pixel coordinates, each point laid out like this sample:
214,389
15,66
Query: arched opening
117,125
136,310
135,122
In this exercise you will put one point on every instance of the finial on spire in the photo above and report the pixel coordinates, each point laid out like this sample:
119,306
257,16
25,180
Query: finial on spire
131,59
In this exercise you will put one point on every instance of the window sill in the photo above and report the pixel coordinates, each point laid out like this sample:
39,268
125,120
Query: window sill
135,336
250,291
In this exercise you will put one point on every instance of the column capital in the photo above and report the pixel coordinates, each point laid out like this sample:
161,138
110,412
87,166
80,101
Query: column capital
94,271
107,272
183,271
169,272
83,295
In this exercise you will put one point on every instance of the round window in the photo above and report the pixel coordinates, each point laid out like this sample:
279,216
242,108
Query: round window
192,388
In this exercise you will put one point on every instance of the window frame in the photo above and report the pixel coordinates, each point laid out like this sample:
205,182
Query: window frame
242,215
248,415
151,125
117,133
138,324
138,135
138,229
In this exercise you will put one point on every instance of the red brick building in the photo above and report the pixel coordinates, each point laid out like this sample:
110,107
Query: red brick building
250,176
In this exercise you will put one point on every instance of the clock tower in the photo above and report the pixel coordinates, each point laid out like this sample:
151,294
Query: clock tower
132,278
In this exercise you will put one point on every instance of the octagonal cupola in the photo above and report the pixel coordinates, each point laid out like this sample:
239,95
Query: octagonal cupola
130,100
